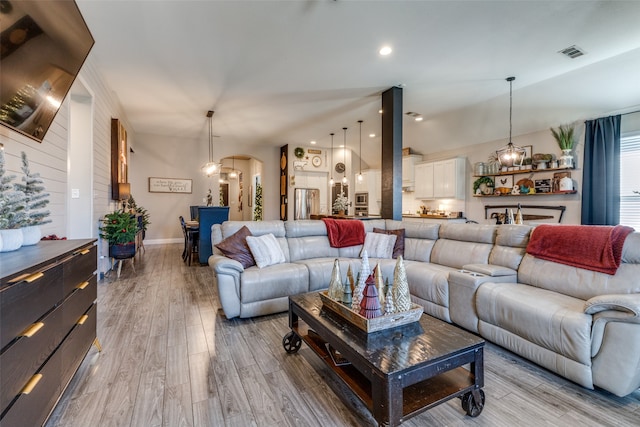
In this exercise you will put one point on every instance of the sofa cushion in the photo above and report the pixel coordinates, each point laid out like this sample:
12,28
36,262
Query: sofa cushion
429,282
275,281
378,245
398,247
236,247
511,241
320,270
265,250
551,320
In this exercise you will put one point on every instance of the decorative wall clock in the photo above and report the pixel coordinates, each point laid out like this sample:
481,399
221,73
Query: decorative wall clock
316,161
340,167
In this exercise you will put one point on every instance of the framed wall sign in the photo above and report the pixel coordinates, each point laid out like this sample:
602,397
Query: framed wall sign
169,185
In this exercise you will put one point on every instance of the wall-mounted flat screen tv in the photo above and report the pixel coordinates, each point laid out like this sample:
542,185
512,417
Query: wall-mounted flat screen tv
43,45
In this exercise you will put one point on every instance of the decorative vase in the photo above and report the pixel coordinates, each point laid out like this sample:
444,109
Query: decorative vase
566,160
31,235
11,240
123,251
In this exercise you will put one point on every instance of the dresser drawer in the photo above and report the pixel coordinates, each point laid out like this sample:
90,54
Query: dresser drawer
26,355
79,268
24,302
79,302
33,408
77,344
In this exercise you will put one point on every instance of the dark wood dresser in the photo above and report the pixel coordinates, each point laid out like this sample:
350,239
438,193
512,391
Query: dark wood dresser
48,298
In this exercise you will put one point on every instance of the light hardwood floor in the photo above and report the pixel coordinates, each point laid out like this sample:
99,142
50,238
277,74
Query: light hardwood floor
171,358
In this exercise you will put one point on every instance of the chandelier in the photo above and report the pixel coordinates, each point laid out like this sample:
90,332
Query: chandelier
511,155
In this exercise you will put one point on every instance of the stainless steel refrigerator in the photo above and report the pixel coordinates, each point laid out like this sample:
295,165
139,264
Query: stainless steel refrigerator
307,203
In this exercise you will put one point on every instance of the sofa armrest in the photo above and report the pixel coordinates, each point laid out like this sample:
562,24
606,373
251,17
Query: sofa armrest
628,303
227,277
490,270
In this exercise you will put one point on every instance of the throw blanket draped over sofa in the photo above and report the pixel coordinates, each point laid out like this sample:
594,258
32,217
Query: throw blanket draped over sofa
581,324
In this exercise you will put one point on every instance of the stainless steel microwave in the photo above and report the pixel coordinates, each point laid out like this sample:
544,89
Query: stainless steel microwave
362,199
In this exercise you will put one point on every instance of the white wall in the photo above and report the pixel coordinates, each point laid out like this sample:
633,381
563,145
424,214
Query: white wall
172,157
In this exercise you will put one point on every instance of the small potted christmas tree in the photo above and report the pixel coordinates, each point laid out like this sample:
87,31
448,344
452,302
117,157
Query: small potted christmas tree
35,201
12,211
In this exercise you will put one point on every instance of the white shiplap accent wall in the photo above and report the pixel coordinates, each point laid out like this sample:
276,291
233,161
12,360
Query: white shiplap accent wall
50,157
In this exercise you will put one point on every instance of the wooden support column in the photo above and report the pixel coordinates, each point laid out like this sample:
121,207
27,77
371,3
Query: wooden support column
392,154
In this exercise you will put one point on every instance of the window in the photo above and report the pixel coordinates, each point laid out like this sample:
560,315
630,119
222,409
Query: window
630,181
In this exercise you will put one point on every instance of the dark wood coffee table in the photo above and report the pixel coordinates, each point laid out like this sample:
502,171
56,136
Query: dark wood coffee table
398,372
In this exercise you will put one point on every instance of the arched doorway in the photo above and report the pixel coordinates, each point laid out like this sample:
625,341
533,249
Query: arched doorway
241,187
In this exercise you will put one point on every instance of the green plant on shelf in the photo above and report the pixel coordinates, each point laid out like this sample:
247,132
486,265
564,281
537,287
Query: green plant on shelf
564,137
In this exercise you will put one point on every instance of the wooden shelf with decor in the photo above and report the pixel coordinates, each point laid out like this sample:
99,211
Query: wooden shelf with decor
503,183
523,172
555,193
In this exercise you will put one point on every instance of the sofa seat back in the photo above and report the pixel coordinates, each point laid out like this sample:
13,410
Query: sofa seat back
510,246
461,244
419,238
308,239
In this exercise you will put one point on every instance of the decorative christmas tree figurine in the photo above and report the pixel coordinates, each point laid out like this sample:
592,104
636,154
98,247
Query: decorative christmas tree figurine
389,306
387,286
336,289
379,284
346,295
370,304
35,197
401,296
365,270
12,202
519,219
350,281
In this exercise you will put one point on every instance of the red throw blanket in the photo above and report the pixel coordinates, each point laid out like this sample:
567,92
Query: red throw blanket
344,232
592,247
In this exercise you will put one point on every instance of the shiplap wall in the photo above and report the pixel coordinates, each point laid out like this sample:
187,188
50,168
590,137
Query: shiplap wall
49,158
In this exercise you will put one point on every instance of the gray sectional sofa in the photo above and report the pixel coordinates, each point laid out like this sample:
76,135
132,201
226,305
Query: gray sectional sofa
581,324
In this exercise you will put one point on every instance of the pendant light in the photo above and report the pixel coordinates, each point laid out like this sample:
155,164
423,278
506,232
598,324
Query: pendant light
233,173
360,177
344,158
511,155
331,181
211,167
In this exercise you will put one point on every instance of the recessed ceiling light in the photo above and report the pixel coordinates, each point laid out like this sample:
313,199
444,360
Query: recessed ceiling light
385,50
372,135
341,146
419,119
312,142
380,111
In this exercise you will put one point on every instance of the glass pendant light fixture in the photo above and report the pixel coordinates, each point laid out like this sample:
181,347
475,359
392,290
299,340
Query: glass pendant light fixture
360,177
511,155
344,158
331,181
233,174
211,167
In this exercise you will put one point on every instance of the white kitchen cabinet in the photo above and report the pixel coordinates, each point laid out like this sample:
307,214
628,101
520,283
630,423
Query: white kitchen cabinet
408,169
449,179
362,186
374,181
424,181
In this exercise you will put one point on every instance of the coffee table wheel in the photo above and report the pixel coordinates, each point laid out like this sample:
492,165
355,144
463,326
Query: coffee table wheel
472,407
291,342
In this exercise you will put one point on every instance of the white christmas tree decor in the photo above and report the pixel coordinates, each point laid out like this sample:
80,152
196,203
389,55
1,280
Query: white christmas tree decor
336,289
35,197
401,295
365,271
389,306
12,202
379,284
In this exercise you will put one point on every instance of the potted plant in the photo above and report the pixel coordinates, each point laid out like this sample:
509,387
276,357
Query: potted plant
564,135
135,209
119,228
341,203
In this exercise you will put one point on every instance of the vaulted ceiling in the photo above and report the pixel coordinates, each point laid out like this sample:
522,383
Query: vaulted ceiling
278,72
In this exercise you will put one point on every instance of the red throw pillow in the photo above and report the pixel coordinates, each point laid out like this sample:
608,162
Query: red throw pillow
236,247
398,248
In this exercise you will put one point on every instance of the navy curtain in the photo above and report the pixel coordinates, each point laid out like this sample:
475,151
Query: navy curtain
601,175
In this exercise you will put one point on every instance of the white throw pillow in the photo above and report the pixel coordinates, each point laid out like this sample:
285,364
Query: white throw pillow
379,245
265,250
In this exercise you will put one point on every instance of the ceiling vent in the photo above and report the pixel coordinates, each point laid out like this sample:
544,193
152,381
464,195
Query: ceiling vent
572,52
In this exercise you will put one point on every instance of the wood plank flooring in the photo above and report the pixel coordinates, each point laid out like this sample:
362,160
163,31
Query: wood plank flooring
171,358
